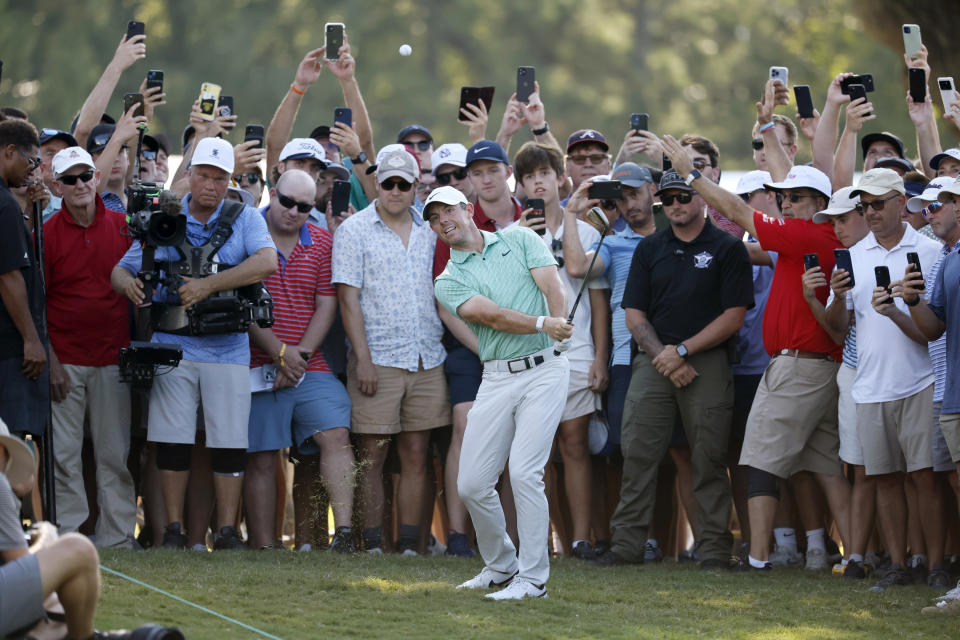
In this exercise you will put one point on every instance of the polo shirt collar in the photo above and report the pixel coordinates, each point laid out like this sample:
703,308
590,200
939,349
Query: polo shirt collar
185,207
707,229
628,232
489,239
484,221
101,211
909,239
305,238
417,218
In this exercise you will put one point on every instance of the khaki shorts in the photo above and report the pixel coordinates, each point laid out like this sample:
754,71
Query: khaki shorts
793,422
581,400
896,435
404,401
850,450
950,425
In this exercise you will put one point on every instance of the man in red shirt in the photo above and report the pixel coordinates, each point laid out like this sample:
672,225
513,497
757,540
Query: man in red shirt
294,390
89,324
793,422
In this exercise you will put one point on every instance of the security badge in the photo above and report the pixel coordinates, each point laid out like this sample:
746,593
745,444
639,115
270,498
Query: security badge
702,260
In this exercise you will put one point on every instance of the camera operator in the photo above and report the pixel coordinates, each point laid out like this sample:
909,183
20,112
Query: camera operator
214,368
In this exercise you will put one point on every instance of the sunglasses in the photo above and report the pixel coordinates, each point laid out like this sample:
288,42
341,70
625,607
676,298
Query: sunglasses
878,205
699,164
86,176
793,197
594,158
931,208
445,178
148,155
683,198
34,162
250,178
389,185
289,203
423,145
747,196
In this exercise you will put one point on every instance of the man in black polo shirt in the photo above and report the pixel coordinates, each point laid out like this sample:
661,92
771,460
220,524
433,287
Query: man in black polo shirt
24,376
686,296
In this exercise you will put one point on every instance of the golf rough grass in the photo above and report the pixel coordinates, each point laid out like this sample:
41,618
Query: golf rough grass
322,595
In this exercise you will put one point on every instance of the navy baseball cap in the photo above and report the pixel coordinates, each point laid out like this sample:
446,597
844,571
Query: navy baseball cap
46,135
883,136
632,174
895,164
320,133
414,128
486,150
934,161
99,137
587,135
672,180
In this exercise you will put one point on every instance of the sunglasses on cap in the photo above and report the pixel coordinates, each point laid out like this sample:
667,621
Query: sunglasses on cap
49,132
683,197
86,176
757,144
931,208
101,139
445,178
289,203
389,185
250,178
423,145
878,205
148,154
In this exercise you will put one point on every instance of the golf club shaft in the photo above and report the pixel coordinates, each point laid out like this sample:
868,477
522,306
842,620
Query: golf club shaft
586,278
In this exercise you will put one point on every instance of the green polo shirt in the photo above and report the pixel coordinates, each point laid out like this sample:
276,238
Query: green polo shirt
502,274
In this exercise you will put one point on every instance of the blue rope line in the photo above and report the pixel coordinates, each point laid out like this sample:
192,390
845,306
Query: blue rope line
187,602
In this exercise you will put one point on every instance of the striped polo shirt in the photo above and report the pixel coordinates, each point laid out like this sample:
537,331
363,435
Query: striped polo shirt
617,255
938,348
302,276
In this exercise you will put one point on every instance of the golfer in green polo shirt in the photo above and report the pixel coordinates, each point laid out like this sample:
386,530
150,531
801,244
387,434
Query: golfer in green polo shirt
505,286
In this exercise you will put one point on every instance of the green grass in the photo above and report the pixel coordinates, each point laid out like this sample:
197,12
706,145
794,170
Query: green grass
318,595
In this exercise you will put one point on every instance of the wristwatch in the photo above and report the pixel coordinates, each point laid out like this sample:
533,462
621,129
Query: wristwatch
693,176
360,159
682,350
542,130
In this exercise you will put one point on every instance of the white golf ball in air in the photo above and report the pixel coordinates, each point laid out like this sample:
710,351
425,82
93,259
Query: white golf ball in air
405,49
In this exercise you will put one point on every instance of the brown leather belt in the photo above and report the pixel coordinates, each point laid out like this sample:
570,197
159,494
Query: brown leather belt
807,355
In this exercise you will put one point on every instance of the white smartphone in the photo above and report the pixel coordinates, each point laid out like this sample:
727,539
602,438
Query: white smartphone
947,91
779,73
911,39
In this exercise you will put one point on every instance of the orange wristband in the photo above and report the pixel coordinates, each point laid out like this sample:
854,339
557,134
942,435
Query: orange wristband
296,91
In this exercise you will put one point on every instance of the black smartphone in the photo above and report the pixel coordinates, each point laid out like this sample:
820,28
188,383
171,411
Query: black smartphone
914,258
254,132
135,28
155,79
474,95
334,31
666,165
801,93
865,79
857,91
538,206
130,99
918,85
605,190
225,106
525,79
340,197
660,219
842,256
810,260
883,277
640,121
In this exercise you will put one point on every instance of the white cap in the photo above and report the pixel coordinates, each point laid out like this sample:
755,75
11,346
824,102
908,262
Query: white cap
245,196
301,148
840,203
70,157
390,148
929,194
953,188
752,181
801,176
19,457
451,153
940,157
214,152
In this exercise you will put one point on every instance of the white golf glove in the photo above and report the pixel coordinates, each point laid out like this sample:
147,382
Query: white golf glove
562,346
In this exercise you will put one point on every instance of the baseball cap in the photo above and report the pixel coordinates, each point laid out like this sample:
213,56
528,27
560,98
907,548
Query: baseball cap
245,196
335,167
883,136
185,137
99,137
801,176
320,133
672,180
302,148
46,135
953,188
877,182
445,195
150,143
632,174
930,193
934,161
398,163
69,158
840,203
752,181
19,457
213,152
414,128
452,153
486,150
587,135
895,163
163,142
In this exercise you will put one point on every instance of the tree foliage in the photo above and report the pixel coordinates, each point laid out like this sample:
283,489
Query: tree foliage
693,65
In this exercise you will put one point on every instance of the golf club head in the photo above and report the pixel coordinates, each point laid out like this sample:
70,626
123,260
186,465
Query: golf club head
598,218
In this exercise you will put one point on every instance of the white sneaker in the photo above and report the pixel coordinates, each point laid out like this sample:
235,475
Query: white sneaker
199,547
409,553
486,579
785,556
816,560
518,589
953,594
306,547
376,551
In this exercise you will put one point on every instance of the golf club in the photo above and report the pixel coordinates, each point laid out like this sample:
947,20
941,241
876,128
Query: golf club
596,217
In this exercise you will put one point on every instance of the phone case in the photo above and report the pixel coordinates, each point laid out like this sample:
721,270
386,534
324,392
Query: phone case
209,97
779,73
914,258
911,39
135,28
334,39
883,277
254,132
640,121
810,260
154,79
525,80
130,99
801,94
344,115
918,85
947,89
225,106
842,257
340,197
